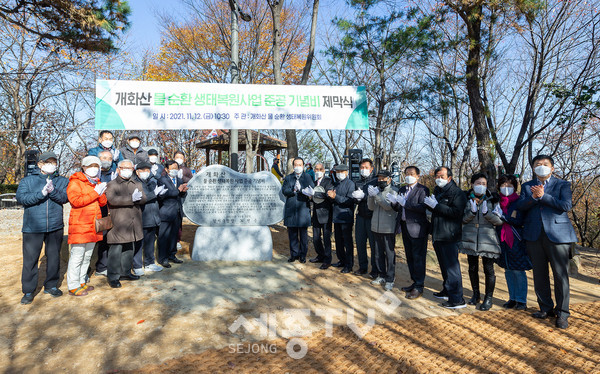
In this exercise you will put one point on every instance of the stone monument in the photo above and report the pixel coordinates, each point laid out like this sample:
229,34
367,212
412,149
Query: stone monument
234,211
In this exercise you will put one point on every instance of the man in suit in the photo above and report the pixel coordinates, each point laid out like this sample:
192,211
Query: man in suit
412,223
170,214
545,202
362,228
297,188
343,218
447,207
321,218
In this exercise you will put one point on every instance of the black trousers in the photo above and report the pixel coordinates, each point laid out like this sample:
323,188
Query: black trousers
167,239
447,255
32,249
120,257
541,252
145,248
385,256
344,246
322,241
488,269
102,261
298,237
416,255
362,232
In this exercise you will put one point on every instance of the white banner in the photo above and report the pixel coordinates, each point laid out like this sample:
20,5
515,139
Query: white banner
150,105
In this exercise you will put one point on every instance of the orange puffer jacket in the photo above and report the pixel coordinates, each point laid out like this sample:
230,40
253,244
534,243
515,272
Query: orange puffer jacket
85,208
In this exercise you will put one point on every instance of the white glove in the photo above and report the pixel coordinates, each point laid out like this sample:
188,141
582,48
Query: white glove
484,207
431,201
391,198
180,174
136,195
100,188
49,186
154,169
159,190
473,205
497,211
373,191
116,154
358,194
113,175
401,199
297,186
45,188
308,191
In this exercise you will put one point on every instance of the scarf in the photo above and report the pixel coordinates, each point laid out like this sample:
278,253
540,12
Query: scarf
506,233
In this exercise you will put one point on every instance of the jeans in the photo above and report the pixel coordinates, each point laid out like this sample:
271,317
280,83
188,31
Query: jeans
516,280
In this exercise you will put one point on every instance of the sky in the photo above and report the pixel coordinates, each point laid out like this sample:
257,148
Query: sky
144,31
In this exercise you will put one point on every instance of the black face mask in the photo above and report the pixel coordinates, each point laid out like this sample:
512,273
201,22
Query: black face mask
382,185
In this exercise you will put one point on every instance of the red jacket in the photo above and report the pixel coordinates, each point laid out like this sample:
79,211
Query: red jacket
85,208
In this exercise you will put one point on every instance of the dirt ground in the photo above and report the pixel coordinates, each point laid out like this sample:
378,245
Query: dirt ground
202,317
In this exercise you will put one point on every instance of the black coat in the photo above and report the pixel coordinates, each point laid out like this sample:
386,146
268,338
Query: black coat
150,210
297,205
322,212
415,212
343,204
447,216
170,202
363,184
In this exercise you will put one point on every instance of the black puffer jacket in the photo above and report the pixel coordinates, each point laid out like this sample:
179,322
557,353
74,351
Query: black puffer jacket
448,214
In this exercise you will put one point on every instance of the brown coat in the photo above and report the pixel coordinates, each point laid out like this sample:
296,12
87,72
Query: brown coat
126,215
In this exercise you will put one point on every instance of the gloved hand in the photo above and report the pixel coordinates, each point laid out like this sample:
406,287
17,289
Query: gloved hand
49,185
484,207
113,175
100,188
391,198
154,169
180,174
431,201
497,211
297,186
358,194
373,191
473,205
136,195
45,188
308,191
116,154
159,190
401,199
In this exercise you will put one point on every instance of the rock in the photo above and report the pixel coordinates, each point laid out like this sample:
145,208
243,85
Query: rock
233,243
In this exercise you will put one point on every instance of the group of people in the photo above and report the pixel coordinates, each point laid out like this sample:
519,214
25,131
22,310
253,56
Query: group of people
123,203
518,232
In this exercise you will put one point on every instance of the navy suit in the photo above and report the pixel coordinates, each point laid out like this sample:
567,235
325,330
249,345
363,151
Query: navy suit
170,217
322,222
412,223
297,213
549,235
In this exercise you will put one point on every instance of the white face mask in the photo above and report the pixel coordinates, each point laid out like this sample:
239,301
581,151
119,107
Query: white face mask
107,143
441,183
92,172
106,164
543,171
179,161
319,174
365,172
49,168
135,144
144,175
153,159
409,179
173,173
340,176
298,169
507,191
479,189
126,173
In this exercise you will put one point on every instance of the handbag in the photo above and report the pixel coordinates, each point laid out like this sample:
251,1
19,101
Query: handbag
104,223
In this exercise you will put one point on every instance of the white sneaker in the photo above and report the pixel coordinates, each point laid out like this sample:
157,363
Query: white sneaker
138,272
153,267
378,281
178,246
388,286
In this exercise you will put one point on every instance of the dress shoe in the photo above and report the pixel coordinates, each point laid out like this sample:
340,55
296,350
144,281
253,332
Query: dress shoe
408,288
27,298
165,264
175,260
129,277
562,323
543,315
414,294
292,259
338,264
114,284
316,260
521,306
302,260
360,272
346,270
324,266
509,304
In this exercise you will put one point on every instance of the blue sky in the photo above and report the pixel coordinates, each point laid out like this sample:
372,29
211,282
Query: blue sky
145,29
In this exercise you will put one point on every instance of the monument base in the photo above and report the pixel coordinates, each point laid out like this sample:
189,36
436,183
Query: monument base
233,243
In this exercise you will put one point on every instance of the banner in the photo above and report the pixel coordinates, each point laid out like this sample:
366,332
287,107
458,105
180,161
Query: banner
150,105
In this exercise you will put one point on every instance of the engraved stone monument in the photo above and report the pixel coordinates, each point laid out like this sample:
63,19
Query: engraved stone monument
233,211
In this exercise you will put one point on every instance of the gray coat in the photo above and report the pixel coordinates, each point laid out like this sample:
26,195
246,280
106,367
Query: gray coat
126,214
479,231
384,216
